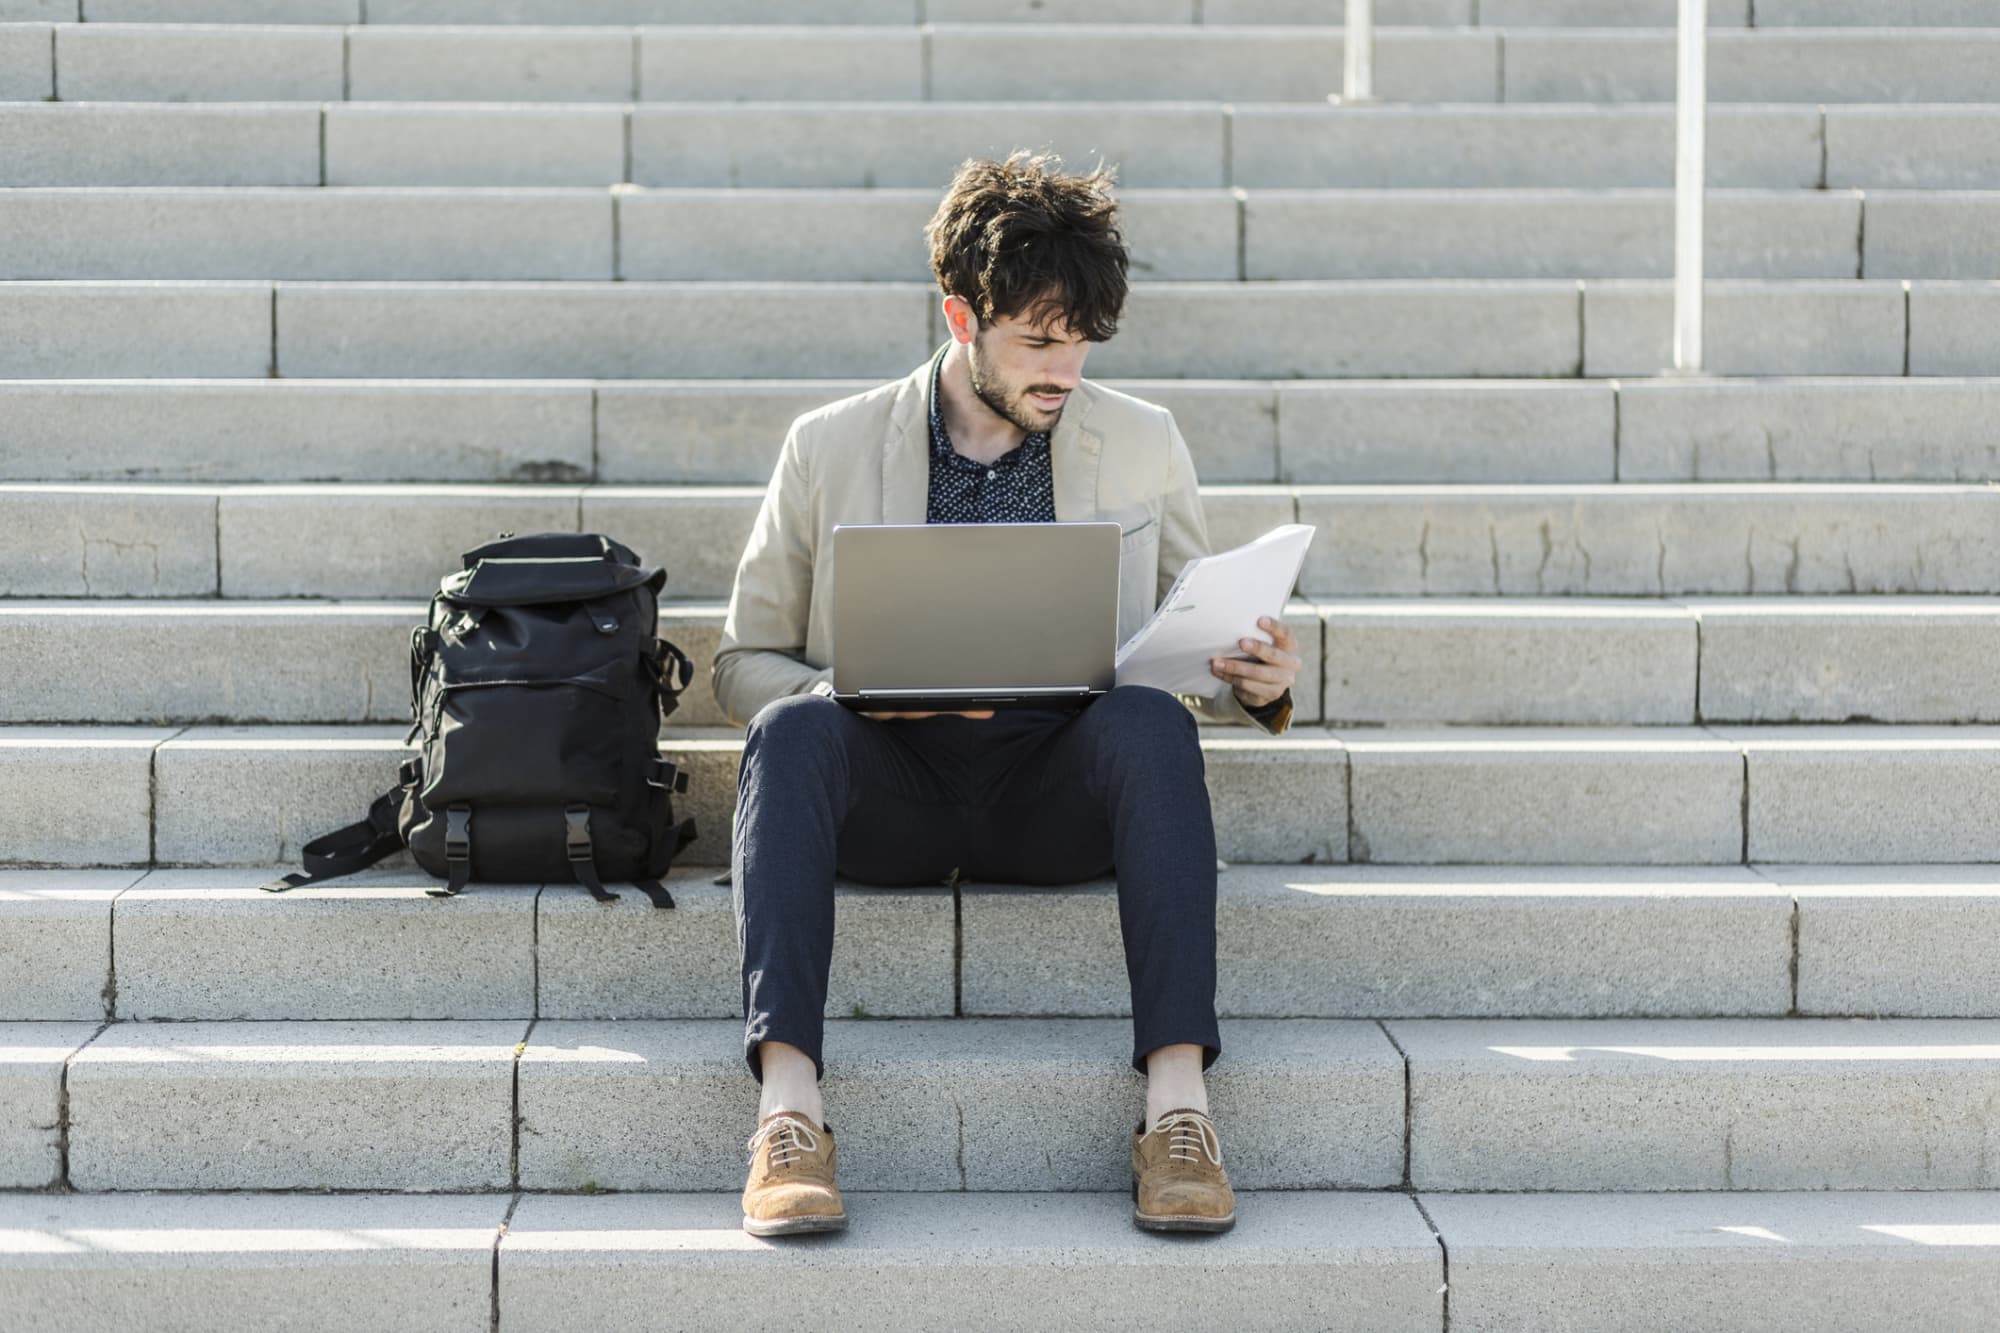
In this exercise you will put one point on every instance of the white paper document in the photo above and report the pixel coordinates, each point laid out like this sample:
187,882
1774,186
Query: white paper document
1212,605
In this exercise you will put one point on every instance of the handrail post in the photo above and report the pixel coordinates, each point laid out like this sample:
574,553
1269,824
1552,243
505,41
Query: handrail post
1358,42
1690,154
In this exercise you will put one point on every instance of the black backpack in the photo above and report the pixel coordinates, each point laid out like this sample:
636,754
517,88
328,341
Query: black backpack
538,686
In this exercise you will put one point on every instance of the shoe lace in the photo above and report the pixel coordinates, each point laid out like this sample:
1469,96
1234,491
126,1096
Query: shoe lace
789,1138
1187,1133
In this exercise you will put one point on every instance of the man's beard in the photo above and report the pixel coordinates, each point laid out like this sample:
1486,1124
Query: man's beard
991,393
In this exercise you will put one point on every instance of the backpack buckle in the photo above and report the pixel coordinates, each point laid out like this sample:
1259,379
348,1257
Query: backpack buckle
576,819
458,833
666,776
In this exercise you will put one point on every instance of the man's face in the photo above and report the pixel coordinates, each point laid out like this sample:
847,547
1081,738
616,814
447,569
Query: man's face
1024,370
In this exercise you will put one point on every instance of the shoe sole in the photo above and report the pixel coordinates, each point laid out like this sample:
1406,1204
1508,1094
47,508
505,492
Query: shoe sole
790,1226
1182,1222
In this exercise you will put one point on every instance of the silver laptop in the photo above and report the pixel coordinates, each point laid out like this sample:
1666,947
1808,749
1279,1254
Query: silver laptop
937,616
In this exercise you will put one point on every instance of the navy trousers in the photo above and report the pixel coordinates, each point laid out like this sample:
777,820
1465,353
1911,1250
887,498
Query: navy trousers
1027,796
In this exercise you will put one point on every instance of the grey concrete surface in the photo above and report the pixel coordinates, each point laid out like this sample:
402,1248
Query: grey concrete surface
1367,941
1646,539
296,430
1731,1104
180,1263
32,1056
1317,330
1824,1260
186,62
49,143
1509,661
1445,430
1807,327
1866,793
893,952
415,143
1525,145
354,232
1574,795
211,944
73,330
741,63
1899,148
1951,327
1831,659
416,64
614,329
1542,233
1908,940
51,773
1170,144
107,540
294,1105
1860,428
1304,1260
955,1104
370,541
55,942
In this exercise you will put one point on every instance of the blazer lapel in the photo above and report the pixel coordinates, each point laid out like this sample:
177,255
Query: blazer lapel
906,452
1075,453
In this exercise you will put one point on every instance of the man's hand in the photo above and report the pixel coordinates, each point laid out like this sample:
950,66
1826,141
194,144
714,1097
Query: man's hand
869,712
1276,666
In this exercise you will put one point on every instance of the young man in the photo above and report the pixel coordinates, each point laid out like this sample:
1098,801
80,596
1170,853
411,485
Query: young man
999,425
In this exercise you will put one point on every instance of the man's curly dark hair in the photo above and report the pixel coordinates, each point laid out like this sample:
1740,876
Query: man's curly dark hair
1018,238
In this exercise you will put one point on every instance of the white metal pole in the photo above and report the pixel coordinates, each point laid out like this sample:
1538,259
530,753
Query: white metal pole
1359,41
1690,152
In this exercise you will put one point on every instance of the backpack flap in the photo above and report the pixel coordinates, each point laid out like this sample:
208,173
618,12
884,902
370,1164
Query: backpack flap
518,581
553,545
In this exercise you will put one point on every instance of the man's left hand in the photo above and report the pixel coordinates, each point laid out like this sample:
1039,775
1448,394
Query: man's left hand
1276,666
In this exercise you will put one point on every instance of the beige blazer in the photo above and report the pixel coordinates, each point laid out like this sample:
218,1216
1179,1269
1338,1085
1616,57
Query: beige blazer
866,459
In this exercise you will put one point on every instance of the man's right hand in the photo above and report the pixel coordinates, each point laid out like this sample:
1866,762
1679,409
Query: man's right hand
871,713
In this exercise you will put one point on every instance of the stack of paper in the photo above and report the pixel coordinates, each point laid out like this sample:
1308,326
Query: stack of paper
1214,603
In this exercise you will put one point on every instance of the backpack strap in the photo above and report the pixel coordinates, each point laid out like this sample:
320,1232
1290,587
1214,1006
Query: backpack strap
346,850
655,890
576,818
457,850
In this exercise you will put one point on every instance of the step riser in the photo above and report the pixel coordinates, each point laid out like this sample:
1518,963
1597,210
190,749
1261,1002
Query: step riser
112,62
1666,1105
1174,236
1604,542
193,945
691,432
1607,1106
918,145
1307,330
1028,1106
1677,796
1547,662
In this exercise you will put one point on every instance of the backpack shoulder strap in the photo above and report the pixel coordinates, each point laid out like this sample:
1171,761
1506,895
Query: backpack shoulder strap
346,850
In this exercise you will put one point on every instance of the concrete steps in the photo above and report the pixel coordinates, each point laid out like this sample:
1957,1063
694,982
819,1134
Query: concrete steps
1320,942
197,62
1877,429
1374,661
701,234
977,1104
1585,539
1298,1259
1847,793
1312,329
1179,144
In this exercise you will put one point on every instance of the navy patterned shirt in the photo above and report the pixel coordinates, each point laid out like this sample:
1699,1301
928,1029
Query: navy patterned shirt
1017,487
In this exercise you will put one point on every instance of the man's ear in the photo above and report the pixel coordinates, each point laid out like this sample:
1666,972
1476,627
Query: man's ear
959,319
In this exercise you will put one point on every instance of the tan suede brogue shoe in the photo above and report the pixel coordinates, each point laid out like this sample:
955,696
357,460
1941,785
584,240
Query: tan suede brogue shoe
1178,1183
791,1185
